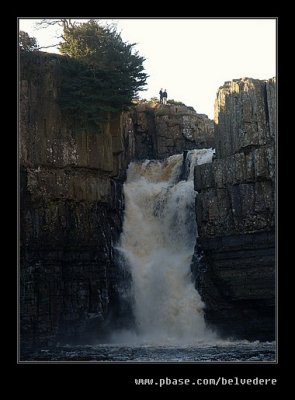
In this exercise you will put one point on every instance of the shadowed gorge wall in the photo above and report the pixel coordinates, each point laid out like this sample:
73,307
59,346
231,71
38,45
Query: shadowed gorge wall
71,211
235,209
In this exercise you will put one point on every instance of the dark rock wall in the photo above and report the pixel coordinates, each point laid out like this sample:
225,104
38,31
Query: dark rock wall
235,209
71,213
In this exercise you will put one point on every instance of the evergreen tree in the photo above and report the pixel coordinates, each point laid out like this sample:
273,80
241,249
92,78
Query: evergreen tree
106,71
26,42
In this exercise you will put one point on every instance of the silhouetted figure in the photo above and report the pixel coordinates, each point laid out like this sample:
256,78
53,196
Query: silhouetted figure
165,97
161,95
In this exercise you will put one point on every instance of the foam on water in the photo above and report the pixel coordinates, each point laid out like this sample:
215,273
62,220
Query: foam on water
157,243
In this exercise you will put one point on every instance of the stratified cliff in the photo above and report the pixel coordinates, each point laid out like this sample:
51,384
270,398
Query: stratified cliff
235,209
71,204
163,130
70,211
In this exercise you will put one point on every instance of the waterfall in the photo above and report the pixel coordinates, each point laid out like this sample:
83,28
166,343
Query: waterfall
157,244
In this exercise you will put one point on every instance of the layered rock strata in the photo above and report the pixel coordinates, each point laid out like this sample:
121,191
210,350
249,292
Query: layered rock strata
234,261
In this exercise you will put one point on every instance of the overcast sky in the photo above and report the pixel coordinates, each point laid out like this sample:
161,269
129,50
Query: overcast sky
191,58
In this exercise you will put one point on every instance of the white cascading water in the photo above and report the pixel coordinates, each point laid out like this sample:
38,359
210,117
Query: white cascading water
158,239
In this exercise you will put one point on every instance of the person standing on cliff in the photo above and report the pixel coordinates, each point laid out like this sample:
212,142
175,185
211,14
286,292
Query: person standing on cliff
161,96
165,97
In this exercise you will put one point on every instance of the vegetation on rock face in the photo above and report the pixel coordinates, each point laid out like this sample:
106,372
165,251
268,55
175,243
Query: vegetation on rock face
159,112
26,42
175,103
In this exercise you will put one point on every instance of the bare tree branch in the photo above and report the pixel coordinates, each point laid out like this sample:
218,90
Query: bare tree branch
65,23
47,47
45,22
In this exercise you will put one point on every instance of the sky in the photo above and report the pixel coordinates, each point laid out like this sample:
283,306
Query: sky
191,58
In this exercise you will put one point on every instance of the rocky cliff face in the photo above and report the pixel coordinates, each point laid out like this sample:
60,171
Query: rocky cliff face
72,205
164,130
71,211
235,210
